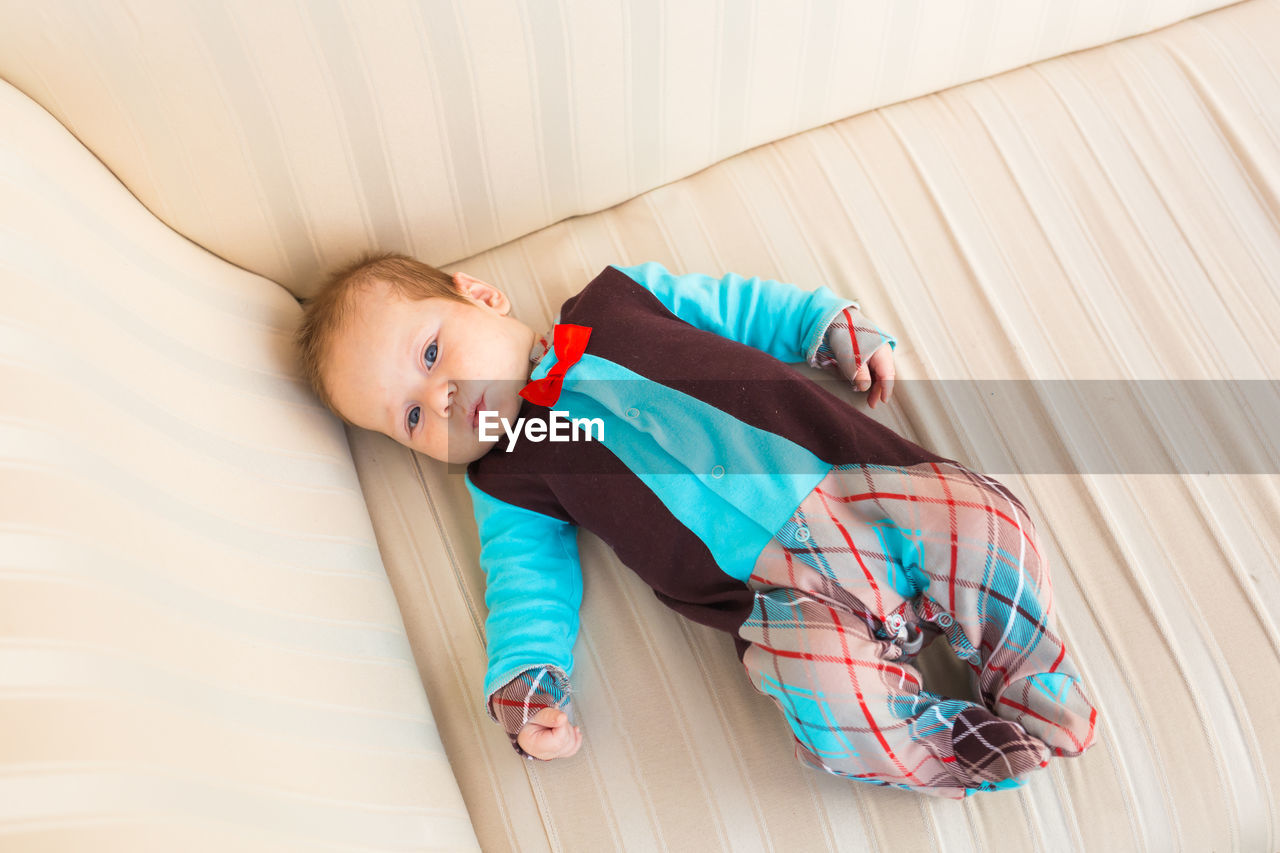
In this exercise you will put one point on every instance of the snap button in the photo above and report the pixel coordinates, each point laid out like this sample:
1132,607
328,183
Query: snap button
944,620
632,412
803,534
895,622
717,471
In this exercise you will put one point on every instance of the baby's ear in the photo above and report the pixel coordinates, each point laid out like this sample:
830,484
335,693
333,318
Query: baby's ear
482,291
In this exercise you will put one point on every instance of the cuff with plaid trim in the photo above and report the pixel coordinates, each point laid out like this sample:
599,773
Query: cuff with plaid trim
521,698
849,340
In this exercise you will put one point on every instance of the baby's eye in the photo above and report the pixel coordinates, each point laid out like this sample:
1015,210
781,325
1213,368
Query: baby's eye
430,355
413,417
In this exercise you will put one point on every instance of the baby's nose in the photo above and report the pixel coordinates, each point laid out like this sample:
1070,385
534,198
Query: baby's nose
436,396
446,395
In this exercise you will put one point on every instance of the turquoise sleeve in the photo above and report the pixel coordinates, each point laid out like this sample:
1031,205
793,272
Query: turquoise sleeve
533,589
778,318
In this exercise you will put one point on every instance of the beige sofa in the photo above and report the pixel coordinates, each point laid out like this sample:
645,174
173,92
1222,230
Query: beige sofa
227,623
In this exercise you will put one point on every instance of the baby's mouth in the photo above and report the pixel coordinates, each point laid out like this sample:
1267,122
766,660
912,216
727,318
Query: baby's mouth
475,413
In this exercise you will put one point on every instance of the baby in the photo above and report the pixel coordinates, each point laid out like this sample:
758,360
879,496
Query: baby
659,413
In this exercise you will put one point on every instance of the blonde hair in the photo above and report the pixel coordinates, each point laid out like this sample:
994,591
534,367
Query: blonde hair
331,309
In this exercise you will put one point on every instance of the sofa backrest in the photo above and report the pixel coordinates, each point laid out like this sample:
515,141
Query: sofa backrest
199,646
286,137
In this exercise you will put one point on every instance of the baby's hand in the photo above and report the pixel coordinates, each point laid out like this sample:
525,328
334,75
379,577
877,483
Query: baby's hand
847,336
548,735
880,365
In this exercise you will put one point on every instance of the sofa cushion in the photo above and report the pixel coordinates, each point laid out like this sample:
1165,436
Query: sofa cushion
199,648
285,136
1108,215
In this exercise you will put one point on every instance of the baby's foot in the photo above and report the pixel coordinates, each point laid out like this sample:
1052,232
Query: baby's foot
1053,707
990,749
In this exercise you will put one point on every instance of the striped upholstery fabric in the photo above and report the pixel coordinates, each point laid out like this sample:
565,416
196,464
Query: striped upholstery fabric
1110,214
199,648
284,136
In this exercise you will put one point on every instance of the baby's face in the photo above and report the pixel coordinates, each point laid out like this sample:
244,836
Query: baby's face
419,371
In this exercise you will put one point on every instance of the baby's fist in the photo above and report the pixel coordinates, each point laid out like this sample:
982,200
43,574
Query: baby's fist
548,735
863,352
880,365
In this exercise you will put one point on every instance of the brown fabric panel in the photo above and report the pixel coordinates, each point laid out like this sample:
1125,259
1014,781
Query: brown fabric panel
593,489
518,477
644,534
635,330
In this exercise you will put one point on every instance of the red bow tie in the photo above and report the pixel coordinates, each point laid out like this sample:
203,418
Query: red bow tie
570,342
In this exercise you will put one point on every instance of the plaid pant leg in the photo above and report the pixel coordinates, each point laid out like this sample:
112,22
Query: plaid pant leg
937,549
999,593
962,548
857,715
